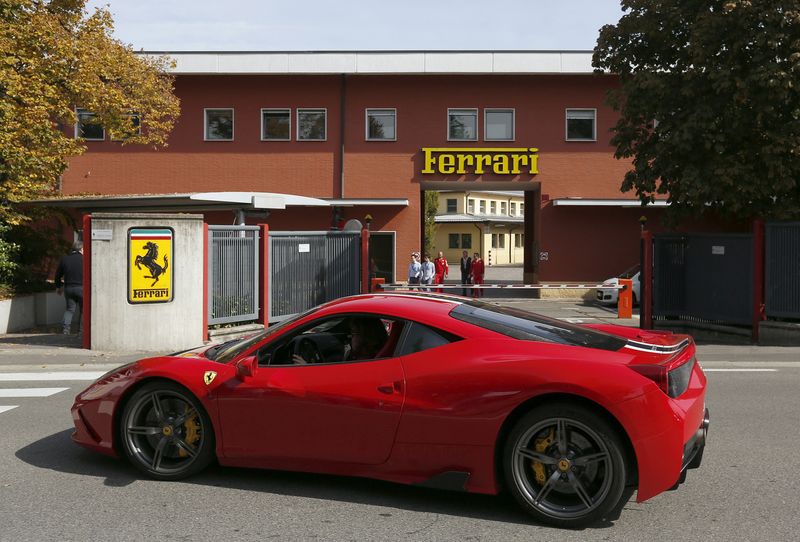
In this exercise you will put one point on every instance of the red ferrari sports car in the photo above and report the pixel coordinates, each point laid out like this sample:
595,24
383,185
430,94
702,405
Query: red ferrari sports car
422,389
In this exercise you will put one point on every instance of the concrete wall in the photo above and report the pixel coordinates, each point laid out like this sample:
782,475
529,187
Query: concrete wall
120,326
28,311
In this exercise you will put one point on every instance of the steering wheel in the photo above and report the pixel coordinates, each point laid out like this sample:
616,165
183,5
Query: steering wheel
308,350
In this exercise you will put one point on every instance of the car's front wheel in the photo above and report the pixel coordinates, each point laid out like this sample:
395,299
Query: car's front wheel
564,465
165,432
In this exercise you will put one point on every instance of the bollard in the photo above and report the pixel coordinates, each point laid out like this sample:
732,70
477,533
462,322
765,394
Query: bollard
625,299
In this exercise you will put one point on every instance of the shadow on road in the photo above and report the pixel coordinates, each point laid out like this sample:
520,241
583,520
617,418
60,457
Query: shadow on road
57,452
42,337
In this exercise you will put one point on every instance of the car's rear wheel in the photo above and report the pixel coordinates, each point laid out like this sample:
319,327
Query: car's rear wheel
564,465
165,432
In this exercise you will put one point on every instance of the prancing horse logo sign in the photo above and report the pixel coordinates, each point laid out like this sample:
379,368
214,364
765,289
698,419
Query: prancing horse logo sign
209,377
150,265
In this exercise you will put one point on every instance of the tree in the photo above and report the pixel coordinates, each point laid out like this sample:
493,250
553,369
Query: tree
56,58
709,102
430,206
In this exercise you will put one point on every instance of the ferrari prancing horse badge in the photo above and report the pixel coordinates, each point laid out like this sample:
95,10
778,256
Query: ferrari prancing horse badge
209,377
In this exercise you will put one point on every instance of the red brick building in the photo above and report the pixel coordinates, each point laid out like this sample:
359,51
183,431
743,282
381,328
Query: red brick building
350,128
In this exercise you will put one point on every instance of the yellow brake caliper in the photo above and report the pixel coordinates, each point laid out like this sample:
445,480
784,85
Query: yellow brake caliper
541,445
192,427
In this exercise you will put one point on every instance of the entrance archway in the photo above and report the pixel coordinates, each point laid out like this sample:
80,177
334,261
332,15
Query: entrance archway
532,214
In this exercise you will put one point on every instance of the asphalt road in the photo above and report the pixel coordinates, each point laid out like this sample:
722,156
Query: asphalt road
51,489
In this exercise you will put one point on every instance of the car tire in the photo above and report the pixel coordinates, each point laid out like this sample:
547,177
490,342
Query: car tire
564,464
165,432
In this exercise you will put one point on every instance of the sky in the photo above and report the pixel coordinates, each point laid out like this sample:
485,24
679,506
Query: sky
325,25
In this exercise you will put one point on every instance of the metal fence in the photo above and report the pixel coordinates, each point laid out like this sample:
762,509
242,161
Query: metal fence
703,277
310,268
782,270
232,274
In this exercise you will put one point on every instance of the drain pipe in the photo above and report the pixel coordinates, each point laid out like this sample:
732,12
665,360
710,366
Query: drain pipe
342,115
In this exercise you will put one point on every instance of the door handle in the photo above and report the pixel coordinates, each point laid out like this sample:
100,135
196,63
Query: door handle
388,389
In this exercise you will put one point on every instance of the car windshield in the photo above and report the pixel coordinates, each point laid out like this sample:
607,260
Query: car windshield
629,273
524,325
227,351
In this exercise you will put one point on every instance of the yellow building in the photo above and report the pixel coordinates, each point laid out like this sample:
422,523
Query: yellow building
490,223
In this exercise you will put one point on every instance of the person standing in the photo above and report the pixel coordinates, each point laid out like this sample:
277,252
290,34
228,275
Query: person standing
440,265
414,270
428,271
69,280
466,269
478,269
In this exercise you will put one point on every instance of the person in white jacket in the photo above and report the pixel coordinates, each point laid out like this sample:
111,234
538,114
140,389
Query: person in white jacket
428,271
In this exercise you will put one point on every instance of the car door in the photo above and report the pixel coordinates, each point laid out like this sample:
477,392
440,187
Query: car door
341,412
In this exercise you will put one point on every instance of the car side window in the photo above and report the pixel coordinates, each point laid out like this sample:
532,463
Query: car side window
419,337
334,340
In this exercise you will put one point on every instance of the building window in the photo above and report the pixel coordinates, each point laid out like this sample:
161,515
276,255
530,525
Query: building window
381,125
87,128
503,208
519,240
466,240
452,240
482,206
312,124
581,125
462,124
521,209
219,124
498,240
513,209
498,124
471,206
493,207
134,128
276,125
452,205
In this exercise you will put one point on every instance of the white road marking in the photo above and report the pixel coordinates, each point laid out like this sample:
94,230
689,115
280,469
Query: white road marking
6,408
30,392
54,375
740,370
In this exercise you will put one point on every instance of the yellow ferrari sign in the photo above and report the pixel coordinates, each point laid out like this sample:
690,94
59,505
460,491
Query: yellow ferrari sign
149,265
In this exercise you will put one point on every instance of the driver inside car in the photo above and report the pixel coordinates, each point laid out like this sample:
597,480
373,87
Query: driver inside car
366,337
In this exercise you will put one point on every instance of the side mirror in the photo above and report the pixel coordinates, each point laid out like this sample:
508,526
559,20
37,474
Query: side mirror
247,367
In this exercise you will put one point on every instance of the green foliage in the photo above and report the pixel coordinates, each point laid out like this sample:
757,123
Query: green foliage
721,80
431,204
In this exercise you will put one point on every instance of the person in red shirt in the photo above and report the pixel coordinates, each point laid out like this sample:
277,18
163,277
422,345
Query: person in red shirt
441,269
478,270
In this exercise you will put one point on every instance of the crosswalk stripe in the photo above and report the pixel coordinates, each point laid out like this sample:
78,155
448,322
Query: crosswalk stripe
54,375
6,408
30,392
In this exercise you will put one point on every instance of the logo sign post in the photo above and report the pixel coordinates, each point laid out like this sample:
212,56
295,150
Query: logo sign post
150,265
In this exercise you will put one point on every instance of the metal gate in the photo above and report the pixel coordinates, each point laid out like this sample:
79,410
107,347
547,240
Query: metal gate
703,277
782,277
310,268
232,274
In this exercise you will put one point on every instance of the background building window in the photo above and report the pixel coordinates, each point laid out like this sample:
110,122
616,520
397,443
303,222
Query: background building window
452,205
498,124
519,240
498,240
219,125
513,209
381,125
521,209
87,128
482,206
471,206
134,128
462,124
581,125
452,240
276,124
466,240
493,207
312,124
503,208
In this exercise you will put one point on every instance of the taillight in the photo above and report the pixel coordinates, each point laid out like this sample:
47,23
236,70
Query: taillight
672,382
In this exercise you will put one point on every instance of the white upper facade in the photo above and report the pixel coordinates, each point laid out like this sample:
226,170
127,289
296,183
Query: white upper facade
382,62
